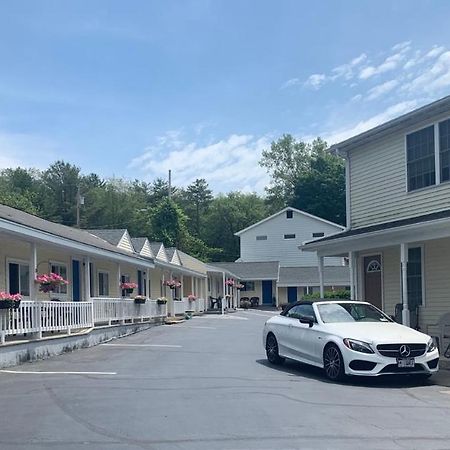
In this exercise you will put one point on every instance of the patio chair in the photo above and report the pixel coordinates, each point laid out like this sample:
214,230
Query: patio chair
443,325
254,301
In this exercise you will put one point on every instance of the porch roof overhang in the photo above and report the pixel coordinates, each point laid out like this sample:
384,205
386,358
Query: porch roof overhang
411,230
177,268
31,234
221,270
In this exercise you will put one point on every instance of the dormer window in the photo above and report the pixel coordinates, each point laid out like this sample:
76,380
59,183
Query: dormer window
289,214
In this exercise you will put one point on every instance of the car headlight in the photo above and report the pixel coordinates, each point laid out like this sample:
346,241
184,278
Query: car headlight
431,346
358,346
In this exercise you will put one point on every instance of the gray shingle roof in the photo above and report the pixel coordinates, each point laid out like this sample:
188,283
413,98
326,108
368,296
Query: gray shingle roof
267,270
56,229
155,246
138,243
300,276
170,252
111,236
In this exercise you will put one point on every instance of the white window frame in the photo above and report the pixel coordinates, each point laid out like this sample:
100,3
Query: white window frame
20,262
62,264
104,272
437,159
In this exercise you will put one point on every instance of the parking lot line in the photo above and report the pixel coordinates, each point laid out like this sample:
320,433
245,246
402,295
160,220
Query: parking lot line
142,345
56,373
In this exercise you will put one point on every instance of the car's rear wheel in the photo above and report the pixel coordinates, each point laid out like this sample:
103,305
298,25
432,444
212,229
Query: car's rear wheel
333,363
272,350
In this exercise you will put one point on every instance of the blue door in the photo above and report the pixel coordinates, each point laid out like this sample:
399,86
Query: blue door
292,294
76,297
267,292
139,282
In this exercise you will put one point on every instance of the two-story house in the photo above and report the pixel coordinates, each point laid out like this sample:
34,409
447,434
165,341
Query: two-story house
398,213
270,264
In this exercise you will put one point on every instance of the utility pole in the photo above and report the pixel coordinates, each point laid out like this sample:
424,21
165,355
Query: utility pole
170,184
80,201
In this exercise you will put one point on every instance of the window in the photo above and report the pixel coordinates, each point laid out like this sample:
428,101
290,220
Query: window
444,149
261,238
248,286
103,284
420,158
317,235
289,214
301,311
289,236
61,270
414,277
19,278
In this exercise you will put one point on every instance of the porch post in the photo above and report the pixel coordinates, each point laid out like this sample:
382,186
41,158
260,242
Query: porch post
404,268
320,265
182,286
87,278
352,265
33,272
119,280
223,296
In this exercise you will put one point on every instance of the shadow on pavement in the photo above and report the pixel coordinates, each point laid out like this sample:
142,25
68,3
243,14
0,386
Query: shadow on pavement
442,378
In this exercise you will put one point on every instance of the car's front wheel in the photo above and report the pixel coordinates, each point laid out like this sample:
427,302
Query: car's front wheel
272,350
333,363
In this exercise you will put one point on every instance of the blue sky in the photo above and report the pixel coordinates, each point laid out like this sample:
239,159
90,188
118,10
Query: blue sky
131,89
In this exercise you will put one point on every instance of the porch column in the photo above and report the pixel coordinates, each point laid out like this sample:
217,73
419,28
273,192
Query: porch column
352,265
223,296
119,280
33,271
182,286
87,278
404,268
321,283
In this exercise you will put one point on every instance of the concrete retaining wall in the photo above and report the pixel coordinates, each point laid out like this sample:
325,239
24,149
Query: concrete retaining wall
18,353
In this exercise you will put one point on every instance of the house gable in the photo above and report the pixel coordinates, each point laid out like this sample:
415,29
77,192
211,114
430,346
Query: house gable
277,238
125,242
377,180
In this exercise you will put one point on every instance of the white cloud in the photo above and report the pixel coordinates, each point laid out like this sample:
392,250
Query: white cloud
291,82
316,80
25,150
389,113
390,63
382,89
228,164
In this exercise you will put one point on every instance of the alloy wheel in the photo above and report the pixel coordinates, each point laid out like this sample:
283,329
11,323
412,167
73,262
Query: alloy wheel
333,363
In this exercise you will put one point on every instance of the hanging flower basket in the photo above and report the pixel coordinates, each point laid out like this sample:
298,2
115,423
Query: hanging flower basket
172,284
128,287
9,301
192,297
239,286
229,282
161,301
50,282
140,299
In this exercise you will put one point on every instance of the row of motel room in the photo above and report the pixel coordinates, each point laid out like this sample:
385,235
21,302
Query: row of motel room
97,262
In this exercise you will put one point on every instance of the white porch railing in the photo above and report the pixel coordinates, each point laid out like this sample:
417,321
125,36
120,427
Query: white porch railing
110,310
43,316
179,307
37,317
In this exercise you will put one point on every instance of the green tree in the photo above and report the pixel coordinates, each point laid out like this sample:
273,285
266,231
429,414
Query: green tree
195,201
320,189
228,214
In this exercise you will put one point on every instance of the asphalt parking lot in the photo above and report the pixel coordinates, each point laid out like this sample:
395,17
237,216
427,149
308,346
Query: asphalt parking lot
205,384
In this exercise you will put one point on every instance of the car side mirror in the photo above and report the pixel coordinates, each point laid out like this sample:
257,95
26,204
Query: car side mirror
307,319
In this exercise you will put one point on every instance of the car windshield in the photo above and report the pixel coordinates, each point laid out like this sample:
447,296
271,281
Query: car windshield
350,312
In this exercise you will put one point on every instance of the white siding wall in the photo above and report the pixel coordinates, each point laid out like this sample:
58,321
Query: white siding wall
276,248
125,243
146,250
378,184
436,280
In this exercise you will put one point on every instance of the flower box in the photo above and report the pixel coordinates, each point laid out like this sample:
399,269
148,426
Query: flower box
9,301
161,301
139,299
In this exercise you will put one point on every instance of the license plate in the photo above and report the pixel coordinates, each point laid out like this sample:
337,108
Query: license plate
405,362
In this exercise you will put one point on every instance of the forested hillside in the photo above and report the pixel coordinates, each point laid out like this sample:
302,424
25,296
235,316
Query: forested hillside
303,175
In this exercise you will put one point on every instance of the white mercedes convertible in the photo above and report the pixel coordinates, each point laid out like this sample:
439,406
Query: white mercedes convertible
348,338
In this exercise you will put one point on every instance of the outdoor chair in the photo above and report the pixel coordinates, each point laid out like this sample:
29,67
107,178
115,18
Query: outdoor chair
443,327
254,301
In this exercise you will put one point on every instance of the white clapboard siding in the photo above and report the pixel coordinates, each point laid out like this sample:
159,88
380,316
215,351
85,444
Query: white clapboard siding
286,251
125,242
378,184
